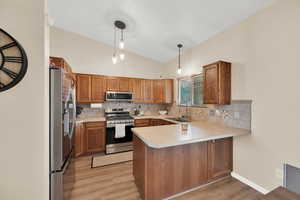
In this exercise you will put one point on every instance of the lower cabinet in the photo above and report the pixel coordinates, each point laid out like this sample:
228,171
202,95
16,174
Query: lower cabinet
89,138
163,172
79,141
142,122
219,158
151,122
95,137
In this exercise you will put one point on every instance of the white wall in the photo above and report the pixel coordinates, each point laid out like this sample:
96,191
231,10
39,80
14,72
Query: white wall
264,51
24,108
89,56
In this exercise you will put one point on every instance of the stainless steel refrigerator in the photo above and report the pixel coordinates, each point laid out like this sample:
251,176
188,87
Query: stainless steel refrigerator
62,123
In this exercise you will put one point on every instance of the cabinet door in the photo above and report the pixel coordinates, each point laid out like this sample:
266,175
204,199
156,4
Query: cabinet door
148,91
83,88
112,84
168,91
211,82
95,138
79,140
124,85
98,89
219,158
217,83
158,89
136,88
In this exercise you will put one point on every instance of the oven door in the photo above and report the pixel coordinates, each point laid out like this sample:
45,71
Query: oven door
116,145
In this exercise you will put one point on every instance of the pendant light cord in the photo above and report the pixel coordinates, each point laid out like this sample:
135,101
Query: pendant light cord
115,40
179,67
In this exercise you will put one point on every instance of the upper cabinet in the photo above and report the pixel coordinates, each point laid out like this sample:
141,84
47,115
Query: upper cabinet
158,89
98,88
124,85
62,63
217,83
168,91
112,84
92,88
147,90
136,89
83,88
118,84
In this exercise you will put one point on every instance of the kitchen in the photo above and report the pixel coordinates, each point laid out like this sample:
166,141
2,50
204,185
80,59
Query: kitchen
143,106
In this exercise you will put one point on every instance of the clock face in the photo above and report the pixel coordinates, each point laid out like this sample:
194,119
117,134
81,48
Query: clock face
13,61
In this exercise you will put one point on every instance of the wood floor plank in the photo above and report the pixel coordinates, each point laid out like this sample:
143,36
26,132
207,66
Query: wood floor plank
116,182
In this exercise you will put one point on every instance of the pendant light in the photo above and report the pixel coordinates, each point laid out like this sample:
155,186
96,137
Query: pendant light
118,25
114,57
179,70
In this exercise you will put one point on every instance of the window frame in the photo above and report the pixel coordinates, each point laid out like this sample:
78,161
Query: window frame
192,95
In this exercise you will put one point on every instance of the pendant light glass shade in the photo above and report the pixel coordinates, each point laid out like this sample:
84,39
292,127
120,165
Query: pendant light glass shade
122,56
179,71
121,44
114,59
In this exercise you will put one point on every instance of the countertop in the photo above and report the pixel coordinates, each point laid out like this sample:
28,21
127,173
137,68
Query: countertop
90,119
171,135
102,118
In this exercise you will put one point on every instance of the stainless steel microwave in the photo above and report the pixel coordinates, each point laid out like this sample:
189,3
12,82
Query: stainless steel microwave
118,96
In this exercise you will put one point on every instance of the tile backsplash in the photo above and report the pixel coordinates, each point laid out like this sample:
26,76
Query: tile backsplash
237,114
148,109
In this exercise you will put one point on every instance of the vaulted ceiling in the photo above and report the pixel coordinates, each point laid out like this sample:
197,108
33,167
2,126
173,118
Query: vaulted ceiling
154,26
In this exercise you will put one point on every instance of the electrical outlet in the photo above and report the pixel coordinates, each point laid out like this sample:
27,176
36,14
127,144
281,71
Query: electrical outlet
211,113
236,115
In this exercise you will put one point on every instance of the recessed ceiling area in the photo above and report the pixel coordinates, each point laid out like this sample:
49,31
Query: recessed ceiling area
153,27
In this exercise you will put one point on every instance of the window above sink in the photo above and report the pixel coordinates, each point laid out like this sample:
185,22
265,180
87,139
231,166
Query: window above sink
190,91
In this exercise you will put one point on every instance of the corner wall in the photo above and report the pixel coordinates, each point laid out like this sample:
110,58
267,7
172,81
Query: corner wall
264,50
24,113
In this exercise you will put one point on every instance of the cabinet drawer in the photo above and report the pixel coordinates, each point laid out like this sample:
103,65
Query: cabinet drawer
95,124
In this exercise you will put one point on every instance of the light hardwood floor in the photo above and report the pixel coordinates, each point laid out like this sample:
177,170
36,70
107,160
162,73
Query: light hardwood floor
116,182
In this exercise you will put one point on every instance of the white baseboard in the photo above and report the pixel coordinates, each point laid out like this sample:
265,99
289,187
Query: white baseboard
250,183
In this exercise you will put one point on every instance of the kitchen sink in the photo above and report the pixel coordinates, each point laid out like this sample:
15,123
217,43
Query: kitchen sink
178,119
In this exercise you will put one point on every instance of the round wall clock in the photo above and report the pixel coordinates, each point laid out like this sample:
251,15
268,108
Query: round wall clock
13,61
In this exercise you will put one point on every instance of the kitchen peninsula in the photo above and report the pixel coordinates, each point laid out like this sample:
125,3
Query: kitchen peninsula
168,161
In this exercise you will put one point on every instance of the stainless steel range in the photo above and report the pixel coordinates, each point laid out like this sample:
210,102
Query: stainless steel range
115,143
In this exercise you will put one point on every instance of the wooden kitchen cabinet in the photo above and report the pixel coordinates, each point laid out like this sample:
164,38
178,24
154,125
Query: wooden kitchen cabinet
217,83
151,122
158,89
92,88
118,84
136,89
124,85
95,136
142,122
79,141
98,88
168,91
112,84
219,158
83,88
147,90
155,122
